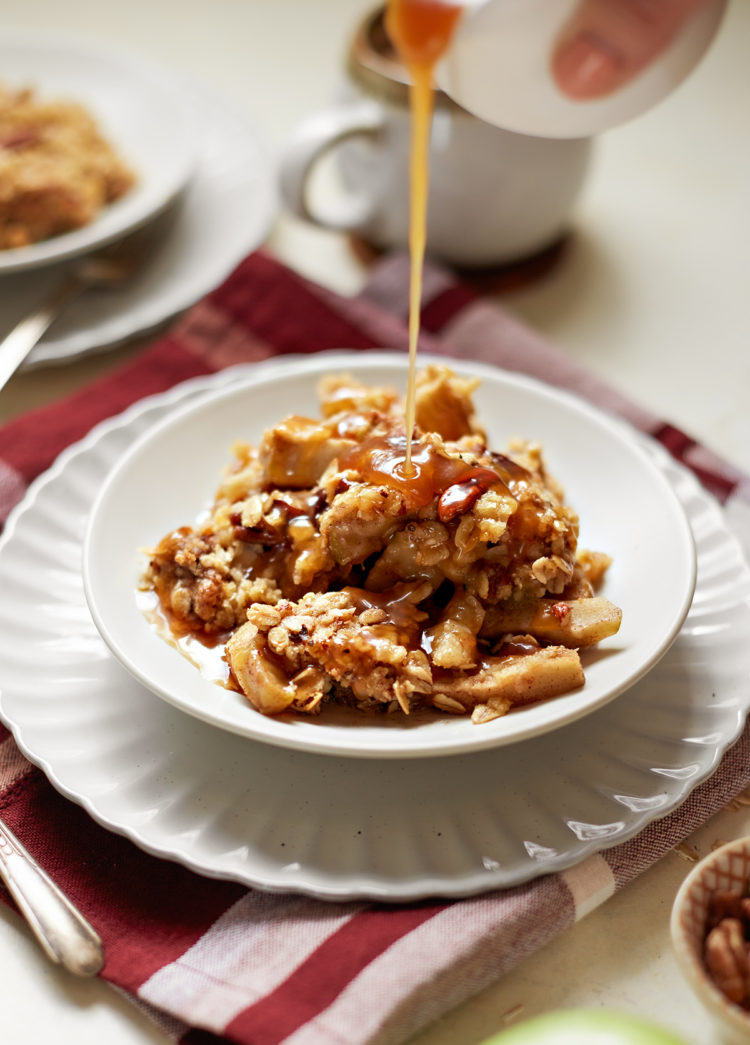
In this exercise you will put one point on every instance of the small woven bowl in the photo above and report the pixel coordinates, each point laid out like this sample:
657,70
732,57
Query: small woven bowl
725,870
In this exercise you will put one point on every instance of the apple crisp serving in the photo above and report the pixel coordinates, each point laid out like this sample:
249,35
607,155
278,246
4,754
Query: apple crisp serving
326,574
56,170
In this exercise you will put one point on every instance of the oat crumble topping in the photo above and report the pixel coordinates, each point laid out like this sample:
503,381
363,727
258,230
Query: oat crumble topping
330,576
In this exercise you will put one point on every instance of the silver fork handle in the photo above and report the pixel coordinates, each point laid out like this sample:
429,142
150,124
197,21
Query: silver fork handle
63,932
16,346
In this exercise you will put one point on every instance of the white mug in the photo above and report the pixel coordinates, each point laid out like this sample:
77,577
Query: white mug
495,196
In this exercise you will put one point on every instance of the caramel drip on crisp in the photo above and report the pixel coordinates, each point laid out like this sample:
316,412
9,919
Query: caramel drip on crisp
421,31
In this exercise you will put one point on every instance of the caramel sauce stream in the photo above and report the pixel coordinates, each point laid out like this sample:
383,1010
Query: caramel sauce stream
421,31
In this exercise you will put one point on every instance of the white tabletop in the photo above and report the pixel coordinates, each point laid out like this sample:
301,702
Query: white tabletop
652,295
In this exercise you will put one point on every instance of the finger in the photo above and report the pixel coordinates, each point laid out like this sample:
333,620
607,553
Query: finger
608,42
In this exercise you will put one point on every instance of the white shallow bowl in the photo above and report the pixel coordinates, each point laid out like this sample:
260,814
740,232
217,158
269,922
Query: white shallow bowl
726,870
627,509
138,109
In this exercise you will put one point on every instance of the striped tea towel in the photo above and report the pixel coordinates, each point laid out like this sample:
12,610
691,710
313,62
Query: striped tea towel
212,960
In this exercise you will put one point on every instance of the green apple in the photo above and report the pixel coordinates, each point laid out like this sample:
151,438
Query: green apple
586,1027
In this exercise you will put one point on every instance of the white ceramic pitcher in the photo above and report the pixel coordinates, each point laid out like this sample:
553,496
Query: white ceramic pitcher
509,152
495,196
499,67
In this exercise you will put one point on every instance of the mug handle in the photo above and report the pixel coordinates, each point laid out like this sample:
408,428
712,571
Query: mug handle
310,142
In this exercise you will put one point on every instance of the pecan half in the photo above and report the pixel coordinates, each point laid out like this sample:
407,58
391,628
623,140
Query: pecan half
458,499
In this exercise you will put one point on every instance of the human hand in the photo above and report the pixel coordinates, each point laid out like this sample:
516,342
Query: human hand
608,42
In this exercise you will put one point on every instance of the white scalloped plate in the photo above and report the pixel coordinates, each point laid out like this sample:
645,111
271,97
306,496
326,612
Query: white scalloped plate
138,109
223,213
626,506
232,808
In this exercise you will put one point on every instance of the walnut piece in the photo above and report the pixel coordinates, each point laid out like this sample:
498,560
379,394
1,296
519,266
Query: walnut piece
726,949
727,956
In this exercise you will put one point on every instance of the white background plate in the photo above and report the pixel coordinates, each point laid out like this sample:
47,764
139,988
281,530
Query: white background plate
283,820
626,506
223,213
139,111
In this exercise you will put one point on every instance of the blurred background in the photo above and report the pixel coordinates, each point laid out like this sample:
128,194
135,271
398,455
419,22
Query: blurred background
653,279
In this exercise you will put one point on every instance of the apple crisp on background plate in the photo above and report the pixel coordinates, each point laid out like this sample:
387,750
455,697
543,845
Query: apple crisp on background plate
57,170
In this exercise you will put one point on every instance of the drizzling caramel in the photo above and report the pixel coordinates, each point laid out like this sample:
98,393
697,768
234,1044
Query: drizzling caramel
421,31
455,483
399,610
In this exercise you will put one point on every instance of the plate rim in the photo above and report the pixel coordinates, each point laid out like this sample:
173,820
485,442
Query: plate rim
131,62
330,740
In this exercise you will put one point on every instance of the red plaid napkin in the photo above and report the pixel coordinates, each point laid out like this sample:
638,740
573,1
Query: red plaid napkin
215,961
